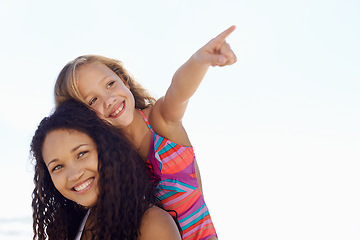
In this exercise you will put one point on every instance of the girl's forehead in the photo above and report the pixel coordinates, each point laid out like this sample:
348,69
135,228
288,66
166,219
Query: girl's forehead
95,65
93,72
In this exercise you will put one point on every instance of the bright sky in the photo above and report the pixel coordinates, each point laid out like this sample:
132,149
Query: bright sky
276,135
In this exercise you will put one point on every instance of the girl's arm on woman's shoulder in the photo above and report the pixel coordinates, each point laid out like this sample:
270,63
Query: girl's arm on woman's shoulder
188,77
157,224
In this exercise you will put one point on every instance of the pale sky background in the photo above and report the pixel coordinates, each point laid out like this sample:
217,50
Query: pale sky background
277,135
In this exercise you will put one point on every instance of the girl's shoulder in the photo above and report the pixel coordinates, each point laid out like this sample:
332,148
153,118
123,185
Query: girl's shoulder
153,115
147,111
172,130
157,224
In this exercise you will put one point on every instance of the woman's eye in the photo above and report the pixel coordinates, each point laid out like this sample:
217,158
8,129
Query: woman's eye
92,101
57,167
110,84
82,154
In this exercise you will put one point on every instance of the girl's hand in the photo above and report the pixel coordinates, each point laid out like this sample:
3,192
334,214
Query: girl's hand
217,52
168,112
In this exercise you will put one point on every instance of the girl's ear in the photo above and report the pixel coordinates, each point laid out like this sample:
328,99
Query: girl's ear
127,84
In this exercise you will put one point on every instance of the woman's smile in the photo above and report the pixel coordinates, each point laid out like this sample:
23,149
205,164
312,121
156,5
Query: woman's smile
84,186
72,160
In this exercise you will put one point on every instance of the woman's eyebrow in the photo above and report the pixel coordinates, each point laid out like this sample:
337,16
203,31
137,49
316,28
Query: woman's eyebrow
77,147
52,161
72,150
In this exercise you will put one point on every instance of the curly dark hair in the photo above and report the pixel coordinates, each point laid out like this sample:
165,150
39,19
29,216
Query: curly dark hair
127,184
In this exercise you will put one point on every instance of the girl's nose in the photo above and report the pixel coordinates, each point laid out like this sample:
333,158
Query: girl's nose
110,101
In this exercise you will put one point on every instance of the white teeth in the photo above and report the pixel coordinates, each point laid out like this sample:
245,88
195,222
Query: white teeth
117,111
84,185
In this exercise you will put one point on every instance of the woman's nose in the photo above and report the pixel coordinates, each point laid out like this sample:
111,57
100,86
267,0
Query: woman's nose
75,173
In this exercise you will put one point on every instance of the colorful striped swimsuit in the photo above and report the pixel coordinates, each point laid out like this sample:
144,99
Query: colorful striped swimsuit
179,189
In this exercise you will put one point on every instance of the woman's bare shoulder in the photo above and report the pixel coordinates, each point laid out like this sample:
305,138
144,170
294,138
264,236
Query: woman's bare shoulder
157,224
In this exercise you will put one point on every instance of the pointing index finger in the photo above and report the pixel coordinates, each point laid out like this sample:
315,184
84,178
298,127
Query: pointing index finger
222,36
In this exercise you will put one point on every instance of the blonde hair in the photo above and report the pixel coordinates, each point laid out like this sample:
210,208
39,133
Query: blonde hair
66,86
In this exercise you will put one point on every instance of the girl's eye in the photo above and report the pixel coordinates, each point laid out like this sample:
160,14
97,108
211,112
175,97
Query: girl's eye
92,101
82,154
110,84
57,167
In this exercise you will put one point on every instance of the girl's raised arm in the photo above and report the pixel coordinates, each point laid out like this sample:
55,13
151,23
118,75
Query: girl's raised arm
188,77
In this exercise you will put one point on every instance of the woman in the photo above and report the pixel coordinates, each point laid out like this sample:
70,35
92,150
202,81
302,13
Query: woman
85,166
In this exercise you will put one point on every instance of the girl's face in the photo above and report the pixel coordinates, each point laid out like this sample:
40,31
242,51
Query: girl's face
106,93
72,160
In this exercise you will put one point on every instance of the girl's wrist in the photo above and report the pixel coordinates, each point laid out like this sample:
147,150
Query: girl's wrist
198,58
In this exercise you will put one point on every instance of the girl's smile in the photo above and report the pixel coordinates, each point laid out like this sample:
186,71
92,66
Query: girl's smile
117,110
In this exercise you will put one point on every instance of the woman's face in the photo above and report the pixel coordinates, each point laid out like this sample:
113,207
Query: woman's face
72,160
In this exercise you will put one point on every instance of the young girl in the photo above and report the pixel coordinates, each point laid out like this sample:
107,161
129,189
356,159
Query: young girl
153,127
83,163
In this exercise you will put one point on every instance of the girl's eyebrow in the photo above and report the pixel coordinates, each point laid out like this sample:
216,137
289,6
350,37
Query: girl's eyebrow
72,150
99,83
